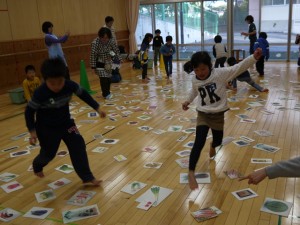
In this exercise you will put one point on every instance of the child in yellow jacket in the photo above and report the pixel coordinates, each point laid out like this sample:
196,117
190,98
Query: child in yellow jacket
31,82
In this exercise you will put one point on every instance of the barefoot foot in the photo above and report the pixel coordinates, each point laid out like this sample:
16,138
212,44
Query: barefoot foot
192,180
94,182
39,174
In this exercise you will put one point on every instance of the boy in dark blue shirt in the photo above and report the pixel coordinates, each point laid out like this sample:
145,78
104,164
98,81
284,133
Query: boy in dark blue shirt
168,50
48,119
264,45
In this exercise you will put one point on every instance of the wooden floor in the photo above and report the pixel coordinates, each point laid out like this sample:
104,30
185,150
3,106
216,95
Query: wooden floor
119,208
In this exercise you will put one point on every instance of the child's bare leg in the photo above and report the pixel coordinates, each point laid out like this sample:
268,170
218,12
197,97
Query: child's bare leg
39,174
192,180
94,182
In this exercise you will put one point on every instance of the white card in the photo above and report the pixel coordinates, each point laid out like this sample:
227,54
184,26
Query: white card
247,139
133,187
38,212
149,149
152,165
175,128
145,205
80,213
6,177
8,214
93,114
81,197
59,183
100,149
190,144
241,143
183,162
120,158
244,194
109,141
66,168
261,160
155,194
267,148
19,153
278,207
184,153
12,186
45,195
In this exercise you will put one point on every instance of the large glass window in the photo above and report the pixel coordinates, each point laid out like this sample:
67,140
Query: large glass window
144,23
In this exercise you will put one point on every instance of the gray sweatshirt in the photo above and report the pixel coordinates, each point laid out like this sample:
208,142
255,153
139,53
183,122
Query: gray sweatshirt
289,168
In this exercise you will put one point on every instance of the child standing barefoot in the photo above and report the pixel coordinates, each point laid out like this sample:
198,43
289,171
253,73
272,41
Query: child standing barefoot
48,119
209,85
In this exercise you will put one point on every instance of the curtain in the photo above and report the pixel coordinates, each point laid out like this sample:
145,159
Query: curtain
132,15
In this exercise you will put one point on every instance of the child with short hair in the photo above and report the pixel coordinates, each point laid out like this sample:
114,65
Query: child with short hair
251,34
209,85
109,21
219,52
157,43
143,55
264,45
53,44
244,77
30,83
168,50
48,119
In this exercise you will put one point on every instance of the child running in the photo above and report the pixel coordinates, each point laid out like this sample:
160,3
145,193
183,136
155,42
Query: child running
245,76
209,85
48,119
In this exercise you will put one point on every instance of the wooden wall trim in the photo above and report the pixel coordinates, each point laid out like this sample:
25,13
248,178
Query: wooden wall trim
15,55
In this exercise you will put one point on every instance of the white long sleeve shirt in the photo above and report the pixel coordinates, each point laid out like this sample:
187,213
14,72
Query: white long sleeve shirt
211,92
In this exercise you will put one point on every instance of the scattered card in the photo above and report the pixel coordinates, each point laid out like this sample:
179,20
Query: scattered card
145,128
6,177
182,138
19,153
267,148
59,183
247,120
100,149
93,114
241,143
38,212
206,213
149,149
201,178
244,194
62,153
109,141
190,144
155,194
80,213
183,162
233,174
145,205
12,186
184,153
247,139
120,158
263,133
81,197
8,214
45,195
278,207
133,187
261,160
65,168
152,165
175,128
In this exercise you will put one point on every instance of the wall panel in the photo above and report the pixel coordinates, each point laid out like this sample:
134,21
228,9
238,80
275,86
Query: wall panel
24,19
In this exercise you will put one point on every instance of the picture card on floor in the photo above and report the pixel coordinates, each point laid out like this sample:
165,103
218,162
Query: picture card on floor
244,194
206,213
19,153
120,158
93,114
241,143
45,195
133,187
247,139
59,183
267,148
278,207
38,212
12,186
263,133
183,162
175,128
247,120
145,205
149,149
152,165
6,177
81,197
201,178
261,160
109,141
182,138
184,153
8,214
190,144
145,128
100,149
10,149
80,213
66,168
62,153
155,194
233,174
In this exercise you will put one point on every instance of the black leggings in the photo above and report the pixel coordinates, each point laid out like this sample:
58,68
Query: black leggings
201,134
50,139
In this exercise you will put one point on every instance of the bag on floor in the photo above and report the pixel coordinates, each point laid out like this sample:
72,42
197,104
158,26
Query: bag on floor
116,76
